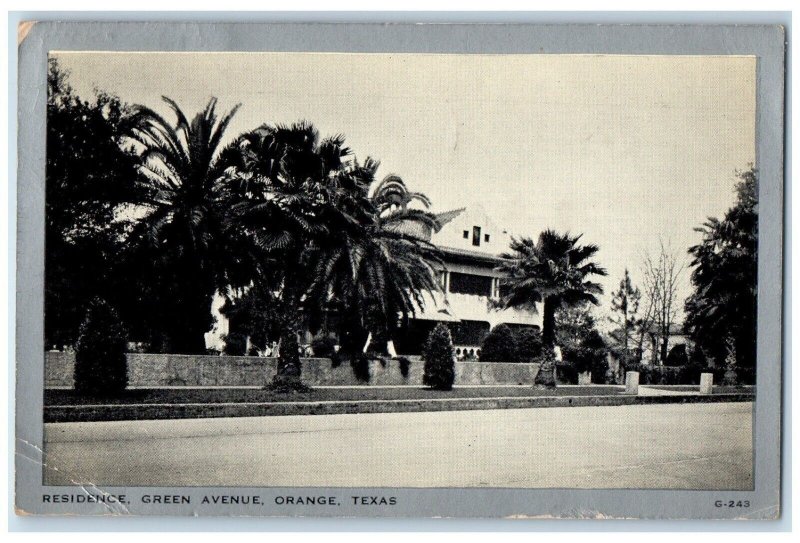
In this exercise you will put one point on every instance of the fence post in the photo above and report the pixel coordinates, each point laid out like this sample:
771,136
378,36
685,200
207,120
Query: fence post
706,383
632,382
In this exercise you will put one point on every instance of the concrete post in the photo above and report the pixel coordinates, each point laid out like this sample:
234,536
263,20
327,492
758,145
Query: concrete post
706,383
632,382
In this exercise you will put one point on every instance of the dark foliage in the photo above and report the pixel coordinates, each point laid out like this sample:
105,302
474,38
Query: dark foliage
256,314
500,345
529,344
360,366
184,246
554,271
323,346
588,355
724,277
100,365
439,356
88,175
687,375
677,356
405,365
566,374
304,203
235,344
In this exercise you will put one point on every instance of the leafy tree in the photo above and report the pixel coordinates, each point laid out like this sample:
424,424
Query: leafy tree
439,356
255,313
181,238
88,175
574,324
724,275
101,368
625,308
382,271
529,344
554,271
499,345
588,354
298,198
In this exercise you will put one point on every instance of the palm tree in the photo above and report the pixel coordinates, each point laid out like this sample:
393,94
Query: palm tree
181,231
298,198
552,271
384,271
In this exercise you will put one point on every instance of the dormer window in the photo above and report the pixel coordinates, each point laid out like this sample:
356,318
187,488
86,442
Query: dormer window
476,236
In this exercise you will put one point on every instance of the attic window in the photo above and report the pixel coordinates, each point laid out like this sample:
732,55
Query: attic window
476,235
466,234
486,238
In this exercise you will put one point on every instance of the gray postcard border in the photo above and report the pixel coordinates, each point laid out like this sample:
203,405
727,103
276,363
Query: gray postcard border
765,42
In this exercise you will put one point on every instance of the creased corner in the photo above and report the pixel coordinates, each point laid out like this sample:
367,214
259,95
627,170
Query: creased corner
23,29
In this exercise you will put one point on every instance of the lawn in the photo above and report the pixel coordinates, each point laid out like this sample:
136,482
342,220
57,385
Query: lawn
250,395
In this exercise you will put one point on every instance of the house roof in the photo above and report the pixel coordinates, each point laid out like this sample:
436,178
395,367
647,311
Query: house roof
447,216
470,256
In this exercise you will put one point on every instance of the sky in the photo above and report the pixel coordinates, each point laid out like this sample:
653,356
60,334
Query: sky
627,150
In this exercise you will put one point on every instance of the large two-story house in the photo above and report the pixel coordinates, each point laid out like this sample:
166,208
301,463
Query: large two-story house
470,243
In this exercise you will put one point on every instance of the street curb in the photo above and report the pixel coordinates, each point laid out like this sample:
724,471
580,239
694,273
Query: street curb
93,413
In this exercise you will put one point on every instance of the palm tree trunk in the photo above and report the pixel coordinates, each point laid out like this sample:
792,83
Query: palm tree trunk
289,369
547,372
549,322
546,376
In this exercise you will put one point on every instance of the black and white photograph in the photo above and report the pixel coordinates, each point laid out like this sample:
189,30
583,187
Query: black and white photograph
338,270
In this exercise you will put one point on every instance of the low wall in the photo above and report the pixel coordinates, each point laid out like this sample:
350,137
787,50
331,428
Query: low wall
154,370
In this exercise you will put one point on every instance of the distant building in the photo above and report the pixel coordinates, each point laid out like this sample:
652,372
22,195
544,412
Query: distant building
652,347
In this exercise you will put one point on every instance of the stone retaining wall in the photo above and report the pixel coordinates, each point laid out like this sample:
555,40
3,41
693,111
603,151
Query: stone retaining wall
154,370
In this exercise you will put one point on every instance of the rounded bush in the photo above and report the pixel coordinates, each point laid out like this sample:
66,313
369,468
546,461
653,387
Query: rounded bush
529,344
439,356
100,364
500,345
235,344
677,356
323,346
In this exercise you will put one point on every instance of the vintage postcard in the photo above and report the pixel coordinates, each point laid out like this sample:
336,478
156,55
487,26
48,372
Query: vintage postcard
406,271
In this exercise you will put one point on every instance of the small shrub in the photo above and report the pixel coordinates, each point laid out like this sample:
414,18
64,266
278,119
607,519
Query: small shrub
529,344
323,346
566,374
405,364
589,355
360,365
677,356
100,364
235,344
439,356
500,345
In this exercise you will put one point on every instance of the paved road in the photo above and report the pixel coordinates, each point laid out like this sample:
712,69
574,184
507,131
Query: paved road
691,446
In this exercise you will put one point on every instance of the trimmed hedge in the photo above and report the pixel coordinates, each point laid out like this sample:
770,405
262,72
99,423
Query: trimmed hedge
439,356
101,367
686,375
529,344
500,345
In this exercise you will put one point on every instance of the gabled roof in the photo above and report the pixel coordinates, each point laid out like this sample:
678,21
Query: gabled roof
447,216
